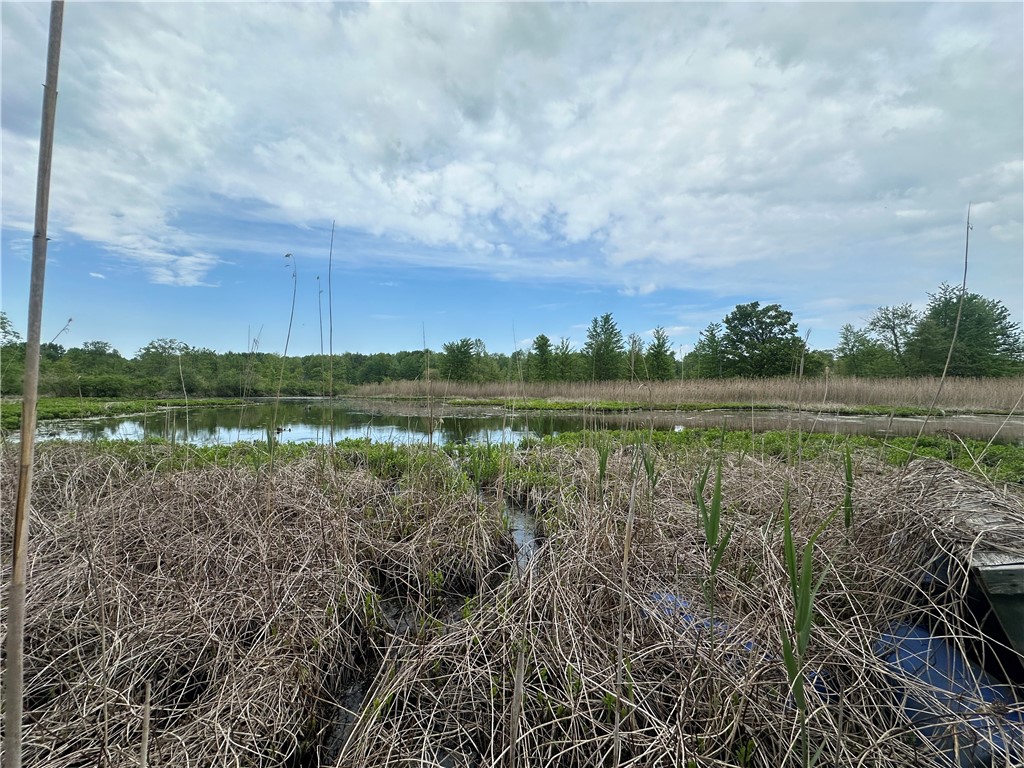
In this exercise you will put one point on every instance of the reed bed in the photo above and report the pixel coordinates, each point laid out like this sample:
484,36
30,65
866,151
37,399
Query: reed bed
359,607
570,666
999,395
238,600
427,534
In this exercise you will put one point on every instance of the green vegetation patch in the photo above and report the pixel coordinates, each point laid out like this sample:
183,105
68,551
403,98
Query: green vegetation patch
538,404
997,463
485,466
620,406
51,408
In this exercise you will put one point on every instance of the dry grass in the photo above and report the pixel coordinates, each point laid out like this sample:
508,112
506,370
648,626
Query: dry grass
539,662
245,600
251,601
992,394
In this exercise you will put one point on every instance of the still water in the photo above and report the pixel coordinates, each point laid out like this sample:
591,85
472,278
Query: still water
317,421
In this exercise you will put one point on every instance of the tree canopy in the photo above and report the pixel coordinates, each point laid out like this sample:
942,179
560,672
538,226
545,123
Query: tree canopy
457,362
661,366
891,328
542,365
987,341
604,349
760,341
752,340
859,354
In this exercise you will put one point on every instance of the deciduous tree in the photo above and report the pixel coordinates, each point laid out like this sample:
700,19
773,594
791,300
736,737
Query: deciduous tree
486,367
892,327
8,333
760,341
635,358
988,342
858,354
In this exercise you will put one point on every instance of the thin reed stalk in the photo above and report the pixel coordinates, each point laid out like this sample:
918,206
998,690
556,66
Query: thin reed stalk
272,427
14,660
330,330
952,341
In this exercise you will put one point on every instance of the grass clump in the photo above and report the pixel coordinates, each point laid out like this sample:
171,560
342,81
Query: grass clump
245,602
572,664
691,600
229,599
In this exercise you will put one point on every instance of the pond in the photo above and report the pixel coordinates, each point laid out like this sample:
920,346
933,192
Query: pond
410,422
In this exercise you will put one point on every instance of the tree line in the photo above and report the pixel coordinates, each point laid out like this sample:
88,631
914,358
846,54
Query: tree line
752,341
901,341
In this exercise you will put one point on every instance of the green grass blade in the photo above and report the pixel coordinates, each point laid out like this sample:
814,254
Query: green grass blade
720,550
848,493
789,550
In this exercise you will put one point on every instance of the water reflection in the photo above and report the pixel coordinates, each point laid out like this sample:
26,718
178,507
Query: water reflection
303,422
317,421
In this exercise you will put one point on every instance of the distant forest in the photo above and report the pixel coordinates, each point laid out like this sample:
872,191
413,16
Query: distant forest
751,341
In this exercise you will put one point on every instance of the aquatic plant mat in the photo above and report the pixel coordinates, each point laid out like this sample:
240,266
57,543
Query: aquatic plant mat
365,606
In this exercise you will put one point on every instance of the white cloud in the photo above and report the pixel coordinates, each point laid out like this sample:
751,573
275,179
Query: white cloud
639,290
736,148
98,275
672,330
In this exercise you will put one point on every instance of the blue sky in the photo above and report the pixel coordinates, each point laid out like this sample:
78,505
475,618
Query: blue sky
503,170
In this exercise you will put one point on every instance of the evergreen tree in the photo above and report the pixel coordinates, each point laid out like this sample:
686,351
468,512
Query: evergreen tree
457,360
706,359
660,364
604,349
542,363
565,361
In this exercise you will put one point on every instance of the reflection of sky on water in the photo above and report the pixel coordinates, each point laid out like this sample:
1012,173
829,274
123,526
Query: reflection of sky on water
311,422
218,426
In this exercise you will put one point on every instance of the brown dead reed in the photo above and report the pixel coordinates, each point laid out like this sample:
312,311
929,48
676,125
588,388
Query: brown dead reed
336,612
243,600
999,395
531,677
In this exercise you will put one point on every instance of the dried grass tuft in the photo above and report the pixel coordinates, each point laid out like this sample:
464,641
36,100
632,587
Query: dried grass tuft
326,615
244,600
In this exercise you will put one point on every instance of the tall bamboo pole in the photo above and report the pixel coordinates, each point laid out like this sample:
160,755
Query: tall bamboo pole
14,672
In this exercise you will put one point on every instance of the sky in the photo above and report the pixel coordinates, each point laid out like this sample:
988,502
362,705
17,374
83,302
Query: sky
501,170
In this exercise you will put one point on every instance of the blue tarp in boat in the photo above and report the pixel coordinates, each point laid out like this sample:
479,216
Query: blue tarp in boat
970,716
974,720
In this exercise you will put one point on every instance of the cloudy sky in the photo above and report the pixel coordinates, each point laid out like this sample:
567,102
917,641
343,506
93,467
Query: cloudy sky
504,170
